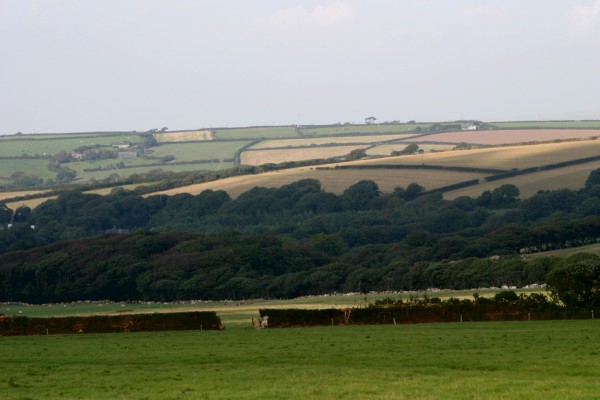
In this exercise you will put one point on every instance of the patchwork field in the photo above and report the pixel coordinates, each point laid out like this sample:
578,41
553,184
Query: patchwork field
507,136
503,158
184,136
268,144
259,157
516,360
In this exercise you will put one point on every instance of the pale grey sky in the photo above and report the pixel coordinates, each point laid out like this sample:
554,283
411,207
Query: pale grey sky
79,65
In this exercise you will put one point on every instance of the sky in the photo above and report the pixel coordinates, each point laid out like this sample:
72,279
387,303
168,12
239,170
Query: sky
120,65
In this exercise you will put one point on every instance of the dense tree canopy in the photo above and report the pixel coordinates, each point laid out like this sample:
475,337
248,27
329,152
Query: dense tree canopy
284,242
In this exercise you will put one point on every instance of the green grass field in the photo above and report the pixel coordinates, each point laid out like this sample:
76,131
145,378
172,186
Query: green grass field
32,167
199,150
268,132
13,148
509,360
352,129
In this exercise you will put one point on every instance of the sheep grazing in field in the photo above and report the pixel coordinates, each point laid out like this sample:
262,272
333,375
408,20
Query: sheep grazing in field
258,323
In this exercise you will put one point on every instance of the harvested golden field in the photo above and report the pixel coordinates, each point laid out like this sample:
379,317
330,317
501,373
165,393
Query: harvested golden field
259,157
332,180
268,144
506,157
31,203
184,136
10,195
386,149
508,136
572,177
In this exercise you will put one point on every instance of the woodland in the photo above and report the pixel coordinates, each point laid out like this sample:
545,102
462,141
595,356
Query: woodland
286,242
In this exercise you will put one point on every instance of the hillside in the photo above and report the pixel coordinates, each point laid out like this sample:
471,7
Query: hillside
468,165
32,164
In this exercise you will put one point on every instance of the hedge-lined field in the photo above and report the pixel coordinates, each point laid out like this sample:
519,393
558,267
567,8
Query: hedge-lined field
353,129
492,360
50,145
317,141
266,156
267,132
332,180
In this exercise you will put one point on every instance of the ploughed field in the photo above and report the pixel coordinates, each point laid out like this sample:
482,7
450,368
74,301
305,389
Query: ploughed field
508,360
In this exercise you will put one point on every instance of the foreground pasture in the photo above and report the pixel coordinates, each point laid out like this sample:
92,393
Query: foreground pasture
511,360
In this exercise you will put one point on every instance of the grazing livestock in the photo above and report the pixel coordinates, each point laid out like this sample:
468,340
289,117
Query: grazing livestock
259,323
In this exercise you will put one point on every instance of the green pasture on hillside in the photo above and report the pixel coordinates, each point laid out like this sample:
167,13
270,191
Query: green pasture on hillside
30,166
508,360
98,175
50,146
547,124
355,129
206,150
267,132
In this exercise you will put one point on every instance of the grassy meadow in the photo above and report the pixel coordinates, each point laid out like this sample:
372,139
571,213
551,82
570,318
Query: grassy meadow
347,129
50,145
267,132
507,360
202,150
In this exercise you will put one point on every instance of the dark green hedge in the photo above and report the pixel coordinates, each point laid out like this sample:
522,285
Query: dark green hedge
15,326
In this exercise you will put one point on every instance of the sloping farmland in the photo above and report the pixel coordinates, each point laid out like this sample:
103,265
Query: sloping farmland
332,180
496,137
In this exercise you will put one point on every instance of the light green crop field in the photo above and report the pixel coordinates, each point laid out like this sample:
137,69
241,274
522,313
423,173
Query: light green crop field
547,124
13,148
199,151
351,129
590,248
508,360
268,132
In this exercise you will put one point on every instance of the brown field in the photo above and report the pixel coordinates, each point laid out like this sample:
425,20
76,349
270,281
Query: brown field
508,136
187,136
335,181
572,177
386,149
259,157
268,144
506,157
